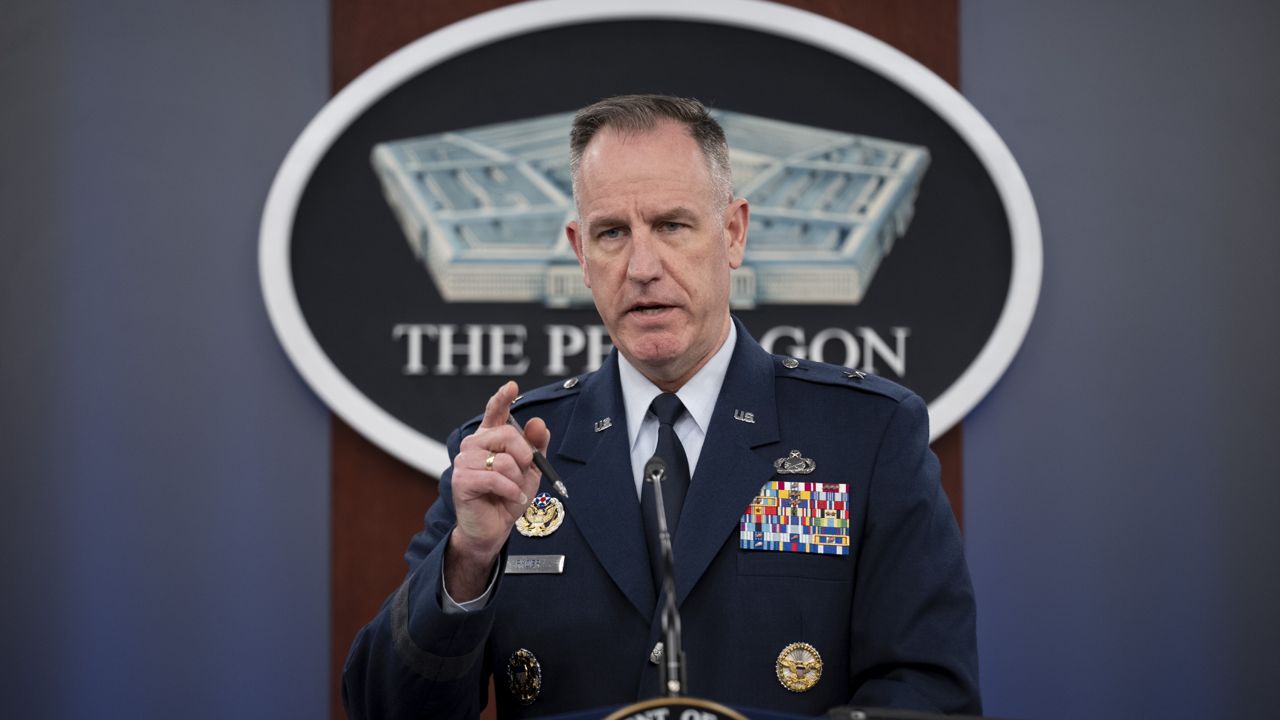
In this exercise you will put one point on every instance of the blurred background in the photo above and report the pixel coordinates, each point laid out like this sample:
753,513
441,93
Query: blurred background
164,509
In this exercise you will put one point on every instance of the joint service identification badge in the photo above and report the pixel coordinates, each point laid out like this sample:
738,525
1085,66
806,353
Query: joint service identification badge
799,667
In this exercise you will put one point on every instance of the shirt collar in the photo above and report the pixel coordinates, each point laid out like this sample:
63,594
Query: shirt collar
699,394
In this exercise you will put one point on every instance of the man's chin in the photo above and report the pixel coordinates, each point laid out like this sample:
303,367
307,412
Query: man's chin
652,349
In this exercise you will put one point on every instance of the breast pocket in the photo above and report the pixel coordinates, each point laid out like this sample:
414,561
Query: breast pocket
775,563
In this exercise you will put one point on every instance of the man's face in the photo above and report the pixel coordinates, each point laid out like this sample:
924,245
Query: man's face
656,243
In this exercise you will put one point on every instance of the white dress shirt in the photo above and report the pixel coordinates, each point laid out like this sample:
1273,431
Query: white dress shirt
698,395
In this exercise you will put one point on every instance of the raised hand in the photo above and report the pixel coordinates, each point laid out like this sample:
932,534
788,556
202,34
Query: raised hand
493,479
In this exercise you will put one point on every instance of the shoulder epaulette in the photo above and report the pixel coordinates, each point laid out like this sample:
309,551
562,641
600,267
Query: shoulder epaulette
537,396
827,374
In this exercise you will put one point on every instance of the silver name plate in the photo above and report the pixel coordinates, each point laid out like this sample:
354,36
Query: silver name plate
534,565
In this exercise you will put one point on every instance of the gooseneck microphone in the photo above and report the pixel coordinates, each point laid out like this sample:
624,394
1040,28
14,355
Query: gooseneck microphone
671,671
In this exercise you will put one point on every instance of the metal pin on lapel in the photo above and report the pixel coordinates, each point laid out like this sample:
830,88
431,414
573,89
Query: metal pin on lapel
541,461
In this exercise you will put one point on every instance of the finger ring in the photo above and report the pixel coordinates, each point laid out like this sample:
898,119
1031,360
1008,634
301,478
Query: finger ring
488,462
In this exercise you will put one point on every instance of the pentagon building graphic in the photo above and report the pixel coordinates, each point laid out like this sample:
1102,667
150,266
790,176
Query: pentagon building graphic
485,209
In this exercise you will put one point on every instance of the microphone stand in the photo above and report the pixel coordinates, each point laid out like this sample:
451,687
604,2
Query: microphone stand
671,671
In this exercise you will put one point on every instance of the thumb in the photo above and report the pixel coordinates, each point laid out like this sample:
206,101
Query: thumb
538,434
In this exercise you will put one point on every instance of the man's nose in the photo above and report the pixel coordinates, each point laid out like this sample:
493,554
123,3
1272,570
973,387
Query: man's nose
645,263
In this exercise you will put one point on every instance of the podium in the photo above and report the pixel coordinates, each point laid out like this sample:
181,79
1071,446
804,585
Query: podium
641,712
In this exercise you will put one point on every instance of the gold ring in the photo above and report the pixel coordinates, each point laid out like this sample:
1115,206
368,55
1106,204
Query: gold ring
488,462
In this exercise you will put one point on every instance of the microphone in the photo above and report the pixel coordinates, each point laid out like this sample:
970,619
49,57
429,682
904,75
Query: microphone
671,672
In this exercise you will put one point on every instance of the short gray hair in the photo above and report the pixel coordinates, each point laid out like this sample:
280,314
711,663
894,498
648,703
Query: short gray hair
640,113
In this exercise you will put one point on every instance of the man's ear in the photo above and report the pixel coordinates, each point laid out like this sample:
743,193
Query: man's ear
736,219
575,239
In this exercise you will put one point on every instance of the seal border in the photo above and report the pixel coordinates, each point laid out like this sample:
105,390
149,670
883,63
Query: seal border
429,455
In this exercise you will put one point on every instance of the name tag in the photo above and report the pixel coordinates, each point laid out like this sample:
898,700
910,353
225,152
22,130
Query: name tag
534,565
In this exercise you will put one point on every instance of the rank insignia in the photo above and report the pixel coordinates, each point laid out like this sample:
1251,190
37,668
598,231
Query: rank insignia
542,517
794,464
791,516
524,676
799,667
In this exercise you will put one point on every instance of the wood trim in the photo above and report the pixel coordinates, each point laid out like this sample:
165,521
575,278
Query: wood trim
376,505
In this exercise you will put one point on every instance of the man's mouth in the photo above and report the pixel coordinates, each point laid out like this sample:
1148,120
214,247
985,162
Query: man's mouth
649,309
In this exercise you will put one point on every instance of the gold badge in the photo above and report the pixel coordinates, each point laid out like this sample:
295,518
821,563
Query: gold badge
542,517
799,666
524,676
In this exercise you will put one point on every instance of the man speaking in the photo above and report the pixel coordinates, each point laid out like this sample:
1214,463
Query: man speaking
817,560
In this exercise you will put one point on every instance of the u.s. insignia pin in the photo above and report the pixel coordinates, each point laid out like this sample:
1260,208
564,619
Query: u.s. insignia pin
524,676
794,464
799,667
542,517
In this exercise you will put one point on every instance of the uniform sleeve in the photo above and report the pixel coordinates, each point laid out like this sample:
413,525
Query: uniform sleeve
415,659
914,643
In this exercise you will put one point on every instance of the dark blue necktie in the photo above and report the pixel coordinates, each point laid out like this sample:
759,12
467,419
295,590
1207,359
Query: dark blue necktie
668,408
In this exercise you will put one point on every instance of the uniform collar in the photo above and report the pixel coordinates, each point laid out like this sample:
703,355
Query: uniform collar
698,394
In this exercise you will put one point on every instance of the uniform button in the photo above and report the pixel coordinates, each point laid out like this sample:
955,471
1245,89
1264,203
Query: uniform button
655,655
790,363
570,383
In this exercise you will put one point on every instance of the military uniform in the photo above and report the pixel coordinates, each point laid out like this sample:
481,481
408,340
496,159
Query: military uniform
888,611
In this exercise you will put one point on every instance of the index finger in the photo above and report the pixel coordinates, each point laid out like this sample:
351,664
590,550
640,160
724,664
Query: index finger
499,406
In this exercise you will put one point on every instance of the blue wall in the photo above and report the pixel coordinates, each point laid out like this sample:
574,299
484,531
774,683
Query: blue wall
165,492
1121,481
164,511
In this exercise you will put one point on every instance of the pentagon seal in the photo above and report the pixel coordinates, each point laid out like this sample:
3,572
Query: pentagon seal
524,676
799,667
543,517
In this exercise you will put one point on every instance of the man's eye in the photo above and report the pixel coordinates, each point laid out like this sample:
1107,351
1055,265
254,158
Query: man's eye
670,227
611,234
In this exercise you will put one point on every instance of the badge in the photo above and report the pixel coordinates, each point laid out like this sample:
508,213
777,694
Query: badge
794,464
799,667
524,676
655,655
542,517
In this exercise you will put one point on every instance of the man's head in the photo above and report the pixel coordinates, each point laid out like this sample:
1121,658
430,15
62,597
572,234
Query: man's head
658,229
640,113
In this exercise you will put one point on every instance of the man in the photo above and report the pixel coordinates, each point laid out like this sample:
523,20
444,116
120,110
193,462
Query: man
817,560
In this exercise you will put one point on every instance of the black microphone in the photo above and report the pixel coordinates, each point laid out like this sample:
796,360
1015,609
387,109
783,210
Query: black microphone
671,671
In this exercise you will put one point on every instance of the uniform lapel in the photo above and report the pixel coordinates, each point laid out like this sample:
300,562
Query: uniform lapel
729,473
602,493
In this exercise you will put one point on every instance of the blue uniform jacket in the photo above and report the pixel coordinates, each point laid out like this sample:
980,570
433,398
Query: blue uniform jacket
893,620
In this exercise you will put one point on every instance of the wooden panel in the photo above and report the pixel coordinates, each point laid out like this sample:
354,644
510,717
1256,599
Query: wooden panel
950,451
376,505
927,30
362,32
377,501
